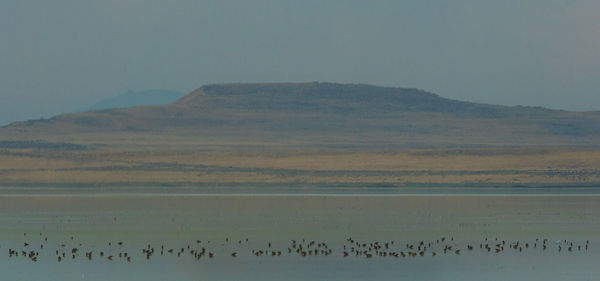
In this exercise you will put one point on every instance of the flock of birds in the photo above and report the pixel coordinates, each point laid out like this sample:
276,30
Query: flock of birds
117,251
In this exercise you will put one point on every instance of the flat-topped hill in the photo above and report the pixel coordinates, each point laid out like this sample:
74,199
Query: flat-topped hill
317,114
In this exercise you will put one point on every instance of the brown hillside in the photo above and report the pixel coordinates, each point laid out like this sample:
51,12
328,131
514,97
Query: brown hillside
316,114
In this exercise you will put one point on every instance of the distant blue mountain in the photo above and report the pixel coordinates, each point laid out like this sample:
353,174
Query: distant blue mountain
141,98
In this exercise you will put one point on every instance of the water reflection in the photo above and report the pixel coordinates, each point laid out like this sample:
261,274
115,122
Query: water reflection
177,237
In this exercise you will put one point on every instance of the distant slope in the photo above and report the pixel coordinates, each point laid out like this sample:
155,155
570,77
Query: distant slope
321,115
142,98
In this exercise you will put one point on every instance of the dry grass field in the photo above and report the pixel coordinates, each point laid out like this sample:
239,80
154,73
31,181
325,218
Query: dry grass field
484,167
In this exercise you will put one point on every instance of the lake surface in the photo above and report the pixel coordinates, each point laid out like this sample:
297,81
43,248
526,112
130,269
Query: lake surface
220,221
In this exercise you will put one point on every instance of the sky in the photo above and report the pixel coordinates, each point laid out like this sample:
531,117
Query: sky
61,55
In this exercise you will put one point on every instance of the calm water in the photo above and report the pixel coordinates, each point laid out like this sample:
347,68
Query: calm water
220,223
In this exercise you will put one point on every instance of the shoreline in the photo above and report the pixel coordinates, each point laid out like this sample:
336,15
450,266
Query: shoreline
306,191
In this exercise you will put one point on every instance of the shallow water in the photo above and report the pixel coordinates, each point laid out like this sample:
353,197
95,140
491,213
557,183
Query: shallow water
178,219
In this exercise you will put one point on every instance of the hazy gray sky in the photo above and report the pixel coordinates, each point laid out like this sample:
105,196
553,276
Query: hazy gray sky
59,55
